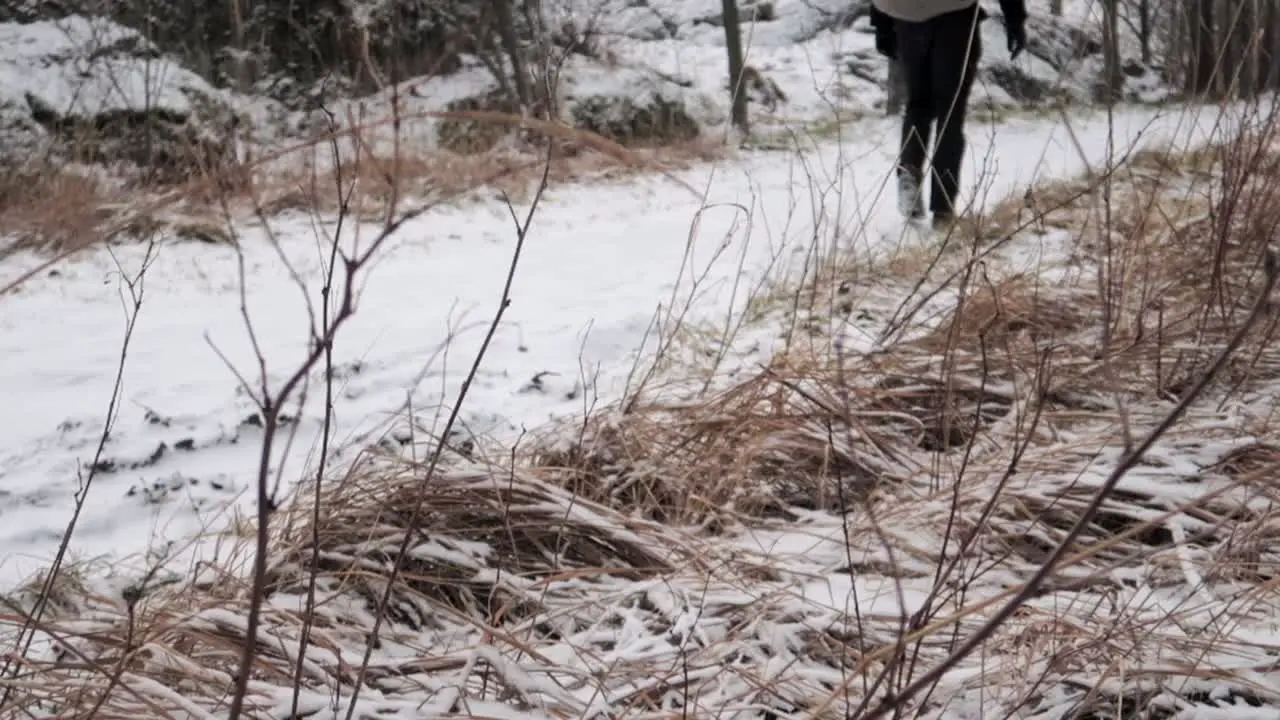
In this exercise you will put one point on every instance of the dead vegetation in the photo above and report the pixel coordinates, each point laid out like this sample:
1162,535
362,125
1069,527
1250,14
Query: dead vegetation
61,209
382,178
694,557
51,207
1119,323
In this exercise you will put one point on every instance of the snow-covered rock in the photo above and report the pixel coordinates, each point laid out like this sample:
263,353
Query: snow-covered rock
631,106
94,90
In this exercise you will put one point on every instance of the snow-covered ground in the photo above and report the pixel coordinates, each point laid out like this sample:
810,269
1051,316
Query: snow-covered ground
598,263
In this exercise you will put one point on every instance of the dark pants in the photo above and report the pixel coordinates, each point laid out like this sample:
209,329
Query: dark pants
939,58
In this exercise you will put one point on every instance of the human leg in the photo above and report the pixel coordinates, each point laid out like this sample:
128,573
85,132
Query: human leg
957,47
914,49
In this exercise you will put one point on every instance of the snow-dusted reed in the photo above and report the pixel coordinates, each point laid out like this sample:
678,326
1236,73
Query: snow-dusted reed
808,529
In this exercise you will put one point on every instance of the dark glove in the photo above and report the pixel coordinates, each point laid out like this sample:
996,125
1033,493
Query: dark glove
1015,26
886,34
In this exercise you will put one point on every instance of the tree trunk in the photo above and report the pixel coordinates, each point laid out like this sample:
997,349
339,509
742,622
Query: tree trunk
1227,41
1113,79
1250,35
515,55
542,77
1269,72
1203,49
1174,28
1055,8
1144,30
733,45
1229,55
243,75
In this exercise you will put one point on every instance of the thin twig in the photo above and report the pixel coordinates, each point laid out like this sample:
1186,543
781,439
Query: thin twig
1127,463
411,532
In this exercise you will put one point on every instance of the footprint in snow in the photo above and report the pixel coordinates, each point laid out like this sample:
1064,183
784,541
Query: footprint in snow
552,385
177,487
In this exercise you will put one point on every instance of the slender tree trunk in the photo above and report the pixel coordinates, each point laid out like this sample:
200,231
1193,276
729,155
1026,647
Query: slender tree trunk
1250,34
515,55
542,77
243,77
1270,61
1114,76
1262,54
1055,8
1229,55
1174,30
1226,61
1204,49
733,45
1144,30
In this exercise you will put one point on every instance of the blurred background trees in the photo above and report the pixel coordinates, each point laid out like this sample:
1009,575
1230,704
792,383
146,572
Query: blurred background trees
1213,48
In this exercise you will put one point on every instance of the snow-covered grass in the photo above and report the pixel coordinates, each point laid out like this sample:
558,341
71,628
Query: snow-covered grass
602,264
759,549
740,444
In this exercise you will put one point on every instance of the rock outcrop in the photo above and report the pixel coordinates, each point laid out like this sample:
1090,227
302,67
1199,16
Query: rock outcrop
93,91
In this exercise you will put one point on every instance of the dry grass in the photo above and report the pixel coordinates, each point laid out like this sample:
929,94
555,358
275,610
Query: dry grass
529,525
48,207
59,210
64,209
953,460
762,448
1151,285
381,178
1011,341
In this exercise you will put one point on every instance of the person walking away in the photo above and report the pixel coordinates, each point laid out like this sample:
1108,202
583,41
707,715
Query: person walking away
938,43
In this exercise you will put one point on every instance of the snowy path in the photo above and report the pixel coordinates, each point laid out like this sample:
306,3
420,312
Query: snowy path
597,264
